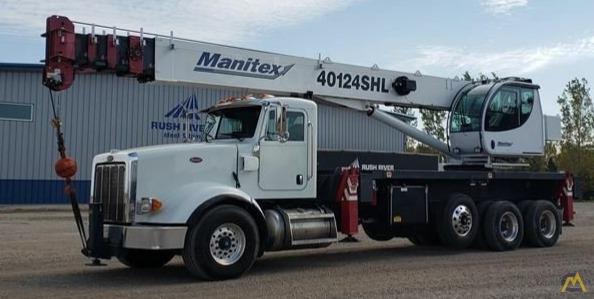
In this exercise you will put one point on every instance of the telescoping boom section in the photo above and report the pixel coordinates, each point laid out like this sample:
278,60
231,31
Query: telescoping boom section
162,59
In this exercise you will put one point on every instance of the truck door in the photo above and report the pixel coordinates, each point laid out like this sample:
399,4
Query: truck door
283,161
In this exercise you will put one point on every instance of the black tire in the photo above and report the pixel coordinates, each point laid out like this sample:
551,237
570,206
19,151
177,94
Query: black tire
543,224
141,258
377,232
503,226
481,241
458,224
222,244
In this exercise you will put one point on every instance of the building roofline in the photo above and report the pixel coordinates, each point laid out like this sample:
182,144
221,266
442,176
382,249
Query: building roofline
21,66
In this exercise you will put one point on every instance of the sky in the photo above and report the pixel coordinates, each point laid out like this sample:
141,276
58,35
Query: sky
549,41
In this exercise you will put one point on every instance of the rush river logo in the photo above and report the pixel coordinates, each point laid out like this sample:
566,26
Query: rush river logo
250,67
184,121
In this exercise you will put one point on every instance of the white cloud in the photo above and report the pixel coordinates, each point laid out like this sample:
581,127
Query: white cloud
498,7
222,21
512,62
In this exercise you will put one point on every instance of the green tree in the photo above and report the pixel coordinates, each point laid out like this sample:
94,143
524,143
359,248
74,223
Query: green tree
411,144
546,162
434,124
482,77
577,114
577,117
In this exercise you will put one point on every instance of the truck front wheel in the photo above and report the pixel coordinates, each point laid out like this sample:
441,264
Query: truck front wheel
222,244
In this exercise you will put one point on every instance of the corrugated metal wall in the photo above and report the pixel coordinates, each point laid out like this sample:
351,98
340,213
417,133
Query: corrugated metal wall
102,111
343,129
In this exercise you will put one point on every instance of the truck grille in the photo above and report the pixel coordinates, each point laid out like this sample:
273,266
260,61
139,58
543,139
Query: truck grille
110,190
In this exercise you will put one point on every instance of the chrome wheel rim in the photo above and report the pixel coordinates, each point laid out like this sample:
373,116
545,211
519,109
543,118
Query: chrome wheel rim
462,220
227,244
508,226
547,223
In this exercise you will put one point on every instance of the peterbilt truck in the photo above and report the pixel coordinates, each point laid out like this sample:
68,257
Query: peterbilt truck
257,181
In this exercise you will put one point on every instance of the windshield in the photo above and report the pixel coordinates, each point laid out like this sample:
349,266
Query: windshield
239,123
466,115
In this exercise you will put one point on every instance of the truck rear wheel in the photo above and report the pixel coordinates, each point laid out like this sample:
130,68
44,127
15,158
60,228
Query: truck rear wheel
223,244
503,226
543,224
141,258
458,225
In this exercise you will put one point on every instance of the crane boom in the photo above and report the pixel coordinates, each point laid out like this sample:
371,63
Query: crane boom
215,65
487,120
173,60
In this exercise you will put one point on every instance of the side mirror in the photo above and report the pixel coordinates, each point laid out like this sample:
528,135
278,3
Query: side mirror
281,124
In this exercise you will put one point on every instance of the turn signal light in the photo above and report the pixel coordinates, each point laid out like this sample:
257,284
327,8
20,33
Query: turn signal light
148,205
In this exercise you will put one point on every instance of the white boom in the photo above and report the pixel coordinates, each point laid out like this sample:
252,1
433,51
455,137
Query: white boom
187,62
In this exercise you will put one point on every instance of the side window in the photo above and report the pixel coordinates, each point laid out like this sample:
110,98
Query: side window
16,111
503,113
526,105
296,125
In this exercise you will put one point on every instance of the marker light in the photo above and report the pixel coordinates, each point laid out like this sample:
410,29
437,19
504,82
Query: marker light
247,97
148,205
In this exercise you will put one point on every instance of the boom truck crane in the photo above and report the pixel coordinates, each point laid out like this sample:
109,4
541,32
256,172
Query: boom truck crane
257,182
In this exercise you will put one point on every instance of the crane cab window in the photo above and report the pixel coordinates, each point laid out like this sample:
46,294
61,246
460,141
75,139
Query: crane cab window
467,112
502,111
527,98
509,108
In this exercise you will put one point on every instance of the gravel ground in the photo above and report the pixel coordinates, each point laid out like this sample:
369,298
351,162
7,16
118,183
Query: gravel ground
40,258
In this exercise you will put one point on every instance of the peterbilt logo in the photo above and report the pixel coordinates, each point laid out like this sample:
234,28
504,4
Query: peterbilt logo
196,160
250,67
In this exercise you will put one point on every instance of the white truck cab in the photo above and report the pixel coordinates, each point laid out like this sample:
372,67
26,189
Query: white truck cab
253,148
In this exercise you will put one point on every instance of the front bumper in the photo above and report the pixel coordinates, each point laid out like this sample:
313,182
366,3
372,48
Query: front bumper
108,240
146,237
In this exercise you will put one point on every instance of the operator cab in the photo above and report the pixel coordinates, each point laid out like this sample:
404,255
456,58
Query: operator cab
497,119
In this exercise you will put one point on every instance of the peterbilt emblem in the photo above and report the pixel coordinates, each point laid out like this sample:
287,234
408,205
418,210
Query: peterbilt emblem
195,159
109,158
